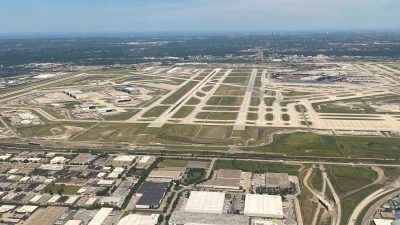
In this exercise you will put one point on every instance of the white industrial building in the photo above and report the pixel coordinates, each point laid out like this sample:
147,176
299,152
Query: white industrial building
130,89
173,175
136,219
101,215
265,206
74,222
190,218
382,222
58,160
26,209
77,94
123,160
205,202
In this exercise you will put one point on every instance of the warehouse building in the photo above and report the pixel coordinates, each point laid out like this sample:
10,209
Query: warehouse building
123,98
172,174
83,159
264,206
58,160
101,216
77,94
190,218
87,107
145,162
129,89
123,160
136,219
383,222
74,222
46,216
205,202
151,194
277,180
105,110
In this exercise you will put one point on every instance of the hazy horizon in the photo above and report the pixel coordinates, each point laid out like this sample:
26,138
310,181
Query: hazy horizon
139,16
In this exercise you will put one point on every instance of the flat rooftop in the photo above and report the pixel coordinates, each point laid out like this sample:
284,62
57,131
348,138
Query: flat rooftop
205,202
269,206
277,180
181,217
152,193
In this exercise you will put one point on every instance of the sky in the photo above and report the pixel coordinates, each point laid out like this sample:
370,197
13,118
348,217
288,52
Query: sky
48,16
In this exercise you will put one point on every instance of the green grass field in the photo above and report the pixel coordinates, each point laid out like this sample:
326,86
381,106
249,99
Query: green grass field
230,90
285,117
207,88
257,166
295,93
173,98
252,116
316,179
53,112
269,101
173,163
349,204
236,80
120,116
225,101
192,134
193,101
346,178
309,144
61,189
113,132
195,175
301,144
307,206
269,117
217,115
255,101
183,112
40,130
220,108
48,129
300,108
155,111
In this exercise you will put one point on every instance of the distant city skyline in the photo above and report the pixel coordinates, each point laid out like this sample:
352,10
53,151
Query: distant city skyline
48,16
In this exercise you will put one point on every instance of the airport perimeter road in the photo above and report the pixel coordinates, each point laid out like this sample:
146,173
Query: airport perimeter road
372,209
244,108
377,194
211,167
60,146
336,218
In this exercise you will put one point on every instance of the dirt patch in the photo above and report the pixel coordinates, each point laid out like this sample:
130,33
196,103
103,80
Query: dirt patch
216,133
66,133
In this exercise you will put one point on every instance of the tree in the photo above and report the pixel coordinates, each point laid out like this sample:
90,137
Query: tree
60,191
